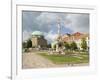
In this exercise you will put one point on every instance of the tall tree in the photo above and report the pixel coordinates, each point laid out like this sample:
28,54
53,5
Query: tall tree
67,45
84,44
24,44
73,46
29,43
48,45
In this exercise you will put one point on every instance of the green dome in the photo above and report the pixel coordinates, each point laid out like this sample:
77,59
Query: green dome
37,33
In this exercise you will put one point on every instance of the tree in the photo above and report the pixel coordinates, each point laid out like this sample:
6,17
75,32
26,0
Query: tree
54,46
48,45
67,45
29,43
60,44
84,44
73,46
24,44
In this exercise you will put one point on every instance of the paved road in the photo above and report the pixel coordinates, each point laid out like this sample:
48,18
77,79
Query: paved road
33,60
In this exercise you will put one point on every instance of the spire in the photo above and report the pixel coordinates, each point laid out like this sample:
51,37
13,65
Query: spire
59,27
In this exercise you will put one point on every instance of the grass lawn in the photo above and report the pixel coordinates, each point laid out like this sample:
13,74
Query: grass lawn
64,59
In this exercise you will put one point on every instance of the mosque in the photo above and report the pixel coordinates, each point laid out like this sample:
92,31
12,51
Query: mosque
38,40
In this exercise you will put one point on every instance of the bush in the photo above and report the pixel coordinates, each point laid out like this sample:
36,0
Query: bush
29,43
73,46
84,44
67,45
24,45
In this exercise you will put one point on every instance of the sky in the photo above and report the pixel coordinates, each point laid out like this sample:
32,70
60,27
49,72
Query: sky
47,22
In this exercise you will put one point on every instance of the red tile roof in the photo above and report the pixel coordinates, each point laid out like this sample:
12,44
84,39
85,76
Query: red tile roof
74,37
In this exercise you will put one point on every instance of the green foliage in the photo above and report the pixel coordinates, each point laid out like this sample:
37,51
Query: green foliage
84,44
73,46
24,45
29,43
67,45
49,46
54,46
70,46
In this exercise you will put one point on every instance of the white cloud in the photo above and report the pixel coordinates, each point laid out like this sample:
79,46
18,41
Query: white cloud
79,22
43,21
50,36
26,35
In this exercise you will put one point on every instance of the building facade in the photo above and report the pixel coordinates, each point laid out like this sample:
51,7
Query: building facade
77,38
38,40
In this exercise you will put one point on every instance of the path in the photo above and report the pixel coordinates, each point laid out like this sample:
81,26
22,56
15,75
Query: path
33,60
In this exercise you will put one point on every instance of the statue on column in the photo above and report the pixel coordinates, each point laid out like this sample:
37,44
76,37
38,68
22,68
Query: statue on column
59,45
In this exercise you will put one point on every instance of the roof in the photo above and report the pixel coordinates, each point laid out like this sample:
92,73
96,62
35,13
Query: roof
77,34
37,33
74,37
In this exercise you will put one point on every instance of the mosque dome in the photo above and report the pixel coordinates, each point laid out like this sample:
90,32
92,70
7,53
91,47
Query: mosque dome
37,33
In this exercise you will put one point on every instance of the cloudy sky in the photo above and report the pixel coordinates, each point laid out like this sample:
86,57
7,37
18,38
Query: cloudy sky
46,22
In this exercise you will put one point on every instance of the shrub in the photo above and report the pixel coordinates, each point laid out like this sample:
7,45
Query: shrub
73,46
